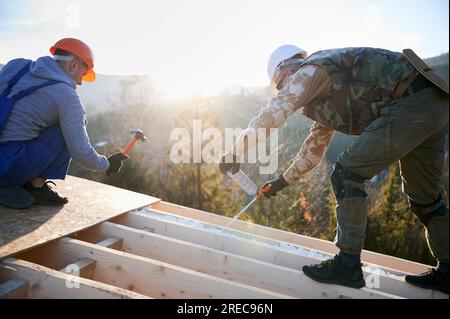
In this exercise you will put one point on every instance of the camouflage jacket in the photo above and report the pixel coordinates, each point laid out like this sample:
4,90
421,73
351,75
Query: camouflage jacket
363,80
341,90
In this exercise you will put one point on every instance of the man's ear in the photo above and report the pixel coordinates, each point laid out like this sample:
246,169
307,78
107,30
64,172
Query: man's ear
73,65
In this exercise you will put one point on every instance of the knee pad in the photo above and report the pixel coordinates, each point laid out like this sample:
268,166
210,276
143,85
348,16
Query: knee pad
346,184
426,212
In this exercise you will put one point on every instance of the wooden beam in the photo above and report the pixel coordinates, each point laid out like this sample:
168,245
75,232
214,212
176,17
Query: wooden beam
230,241
49,283
225,265
273,252
394,263
85,268
15,288
112,242
262,239
154,278
45,255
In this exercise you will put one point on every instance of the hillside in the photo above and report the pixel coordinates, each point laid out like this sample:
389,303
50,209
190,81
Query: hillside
101,94
98,96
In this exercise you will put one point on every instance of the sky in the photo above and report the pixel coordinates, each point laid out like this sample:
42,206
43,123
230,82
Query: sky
201,46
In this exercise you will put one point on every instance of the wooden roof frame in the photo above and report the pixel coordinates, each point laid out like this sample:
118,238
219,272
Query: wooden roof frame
155,249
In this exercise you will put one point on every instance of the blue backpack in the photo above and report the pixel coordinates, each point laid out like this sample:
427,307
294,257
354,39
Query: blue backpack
7,104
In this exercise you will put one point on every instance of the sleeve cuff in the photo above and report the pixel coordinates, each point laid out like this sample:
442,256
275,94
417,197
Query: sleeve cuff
287,178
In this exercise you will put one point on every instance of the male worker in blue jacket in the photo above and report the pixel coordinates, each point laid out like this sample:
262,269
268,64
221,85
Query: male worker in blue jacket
43,125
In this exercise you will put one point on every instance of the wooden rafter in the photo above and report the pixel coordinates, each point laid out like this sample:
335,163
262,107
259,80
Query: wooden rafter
268,251
16,288
151,277
391,262
221,264
49,283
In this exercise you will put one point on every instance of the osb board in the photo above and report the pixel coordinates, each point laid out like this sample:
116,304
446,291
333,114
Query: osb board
89,203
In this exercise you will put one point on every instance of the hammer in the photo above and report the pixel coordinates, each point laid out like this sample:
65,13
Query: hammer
138,135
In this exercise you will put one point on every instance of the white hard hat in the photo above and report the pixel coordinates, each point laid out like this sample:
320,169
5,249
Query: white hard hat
280,54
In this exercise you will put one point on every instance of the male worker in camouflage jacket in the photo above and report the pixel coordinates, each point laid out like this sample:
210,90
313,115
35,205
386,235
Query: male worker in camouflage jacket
362,91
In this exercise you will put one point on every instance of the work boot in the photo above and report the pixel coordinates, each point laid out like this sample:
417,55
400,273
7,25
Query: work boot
15,197
432,279
331,271
45,195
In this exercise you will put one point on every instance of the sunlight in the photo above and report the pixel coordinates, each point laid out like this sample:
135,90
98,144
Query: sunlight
202,46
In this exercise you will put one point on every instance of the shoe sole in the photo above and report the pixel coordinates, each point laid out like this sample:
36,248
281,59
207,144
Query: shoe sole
44,203
16,198
425,286
14,206
347,283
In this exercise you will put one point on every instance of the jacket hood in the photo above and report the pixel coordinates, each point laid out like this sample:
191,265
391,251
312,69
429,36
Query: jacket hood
47,68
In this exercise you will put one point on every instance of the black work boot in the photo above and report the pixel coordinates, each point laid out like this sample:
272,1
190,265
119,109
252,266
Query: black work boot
15,197
45,195
432,279
331,271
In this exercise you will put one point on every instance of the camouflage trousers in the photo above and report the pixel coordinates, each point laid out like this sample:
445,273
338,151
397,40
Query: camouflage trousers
411,130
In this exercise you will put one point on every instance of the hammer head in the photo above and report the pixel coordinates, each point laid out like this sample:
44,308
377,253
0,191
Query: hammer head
139,135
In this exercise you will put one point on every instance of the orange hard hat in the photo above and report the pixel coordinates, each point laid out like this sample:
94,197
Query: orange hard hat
79,49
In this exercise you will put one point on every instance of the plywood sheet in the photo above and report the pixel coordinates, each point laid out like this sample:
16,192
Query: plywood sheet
89,204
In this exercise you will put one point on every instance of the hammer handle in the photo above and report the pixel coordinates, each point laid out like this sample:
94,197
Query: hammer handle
127,148
262,191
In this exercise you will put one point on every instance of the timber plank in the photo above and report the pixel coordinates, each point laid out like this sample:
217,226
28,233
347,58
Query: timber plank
263,249
219,263
49,283
391,262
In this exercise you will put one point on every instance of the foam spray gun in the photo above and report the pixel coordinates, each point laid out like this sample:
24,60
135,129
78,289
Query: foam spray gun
249,187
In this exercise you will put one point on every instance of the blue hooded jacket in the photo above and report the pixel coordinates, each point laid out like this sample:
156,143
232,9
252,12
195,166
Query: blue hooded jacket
48,106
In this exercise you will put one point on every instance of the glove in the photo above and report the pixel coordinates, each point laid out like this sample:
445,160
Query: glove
225,167
277,185
115,163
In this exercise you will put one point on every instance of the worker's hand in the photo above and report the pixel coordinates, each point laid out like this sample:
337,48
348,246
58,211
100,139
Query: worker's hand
115,163
225,167
277,185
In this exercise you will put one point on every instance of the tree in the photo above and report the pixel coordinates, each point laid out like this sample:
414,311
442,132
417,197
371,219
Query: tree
198,184
392,228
